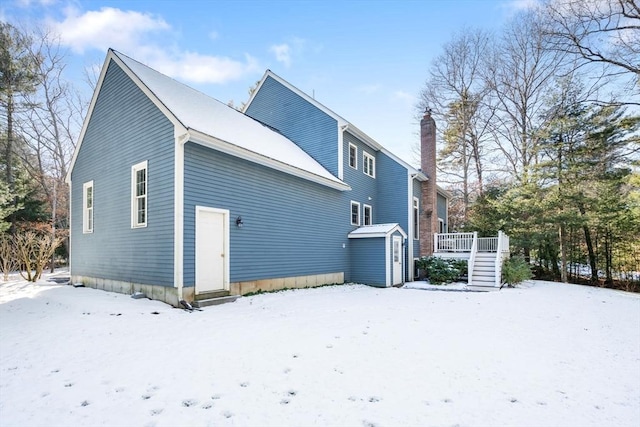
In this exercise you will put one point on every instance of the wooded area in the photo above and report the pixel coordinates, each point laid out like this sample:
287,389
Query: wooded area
539,123
540,126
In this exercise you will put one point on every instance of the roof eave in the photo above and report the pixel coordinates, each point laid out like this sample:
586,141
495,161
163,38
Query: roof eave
236,151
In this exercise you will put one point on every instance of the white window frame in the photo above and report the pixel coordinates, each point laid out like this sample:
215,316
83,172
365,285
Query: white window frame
355,156
441,226
135,197
364,214
353,203
87,211
416,218
368,164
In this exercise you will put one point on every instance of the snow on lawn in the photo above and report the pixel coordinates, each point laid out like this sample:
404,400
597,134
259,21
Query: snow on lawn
546,354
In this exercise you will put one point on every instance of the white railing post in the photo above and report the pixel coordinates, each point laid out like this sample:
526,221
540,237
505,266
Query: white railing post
435,243
498,262
472,259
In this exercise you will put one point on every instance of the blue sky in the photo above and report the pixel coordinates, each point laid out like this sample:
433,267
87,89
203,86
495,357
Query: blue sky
365,60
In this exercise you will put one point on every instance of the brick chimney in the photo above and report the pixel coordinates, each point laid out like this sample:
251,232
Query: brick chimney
428,204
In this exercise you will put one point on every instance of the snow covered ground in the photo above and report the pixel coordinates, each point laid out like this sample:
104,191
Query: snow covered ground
545,354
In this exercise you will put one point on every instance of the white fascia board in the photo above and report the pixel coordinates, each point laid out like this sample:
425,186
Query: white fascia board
366,236
112,56
234,150
253,94
366,139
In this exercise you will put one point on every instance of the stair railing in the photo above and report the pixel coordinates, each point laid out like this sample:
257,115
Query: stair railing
472,259
499,257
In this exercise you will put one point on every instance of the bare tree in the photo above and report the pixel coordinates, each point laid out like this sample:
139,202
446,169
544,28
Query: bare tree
597,32
457,94
519,73
51,126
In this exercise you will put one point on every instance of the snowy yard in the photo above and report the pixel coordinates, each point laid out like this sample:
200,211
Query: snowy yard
545,354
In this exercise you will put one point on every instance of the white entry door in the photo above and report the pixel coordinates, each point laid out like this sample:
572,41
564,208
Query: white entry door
212,249
397,260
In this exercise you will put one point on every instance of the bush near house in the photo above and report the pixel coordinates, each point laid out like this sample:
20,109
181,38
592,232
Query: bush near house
515,270
440,271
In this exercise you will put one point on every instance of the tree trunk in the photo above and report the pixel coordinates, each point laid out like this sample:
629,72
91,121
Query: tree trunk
563,253
9,159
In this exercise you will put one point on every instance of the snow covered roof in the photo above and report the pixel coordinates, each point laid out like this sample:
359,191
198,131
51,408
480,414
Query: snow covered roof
376,230
213,123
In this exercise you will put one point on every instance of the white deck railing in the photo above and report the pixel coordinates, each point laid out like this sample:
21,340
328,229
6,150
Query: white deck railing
453,242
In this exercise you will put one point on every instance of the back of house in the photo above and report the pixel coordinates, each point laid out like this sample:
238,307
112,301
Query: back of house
179,196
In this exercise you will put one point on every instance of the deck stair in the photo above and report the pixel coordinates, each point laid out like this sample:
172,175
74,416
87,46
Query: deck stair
484,255
484,269
213,298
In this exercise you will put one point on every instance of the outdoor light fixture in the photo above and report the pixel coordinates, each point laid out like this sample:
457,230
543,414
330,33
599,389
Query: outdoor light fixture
239,222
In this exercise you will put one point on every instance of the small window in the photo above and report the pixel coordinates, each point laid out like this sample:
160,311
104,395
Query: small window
87,207
369,164
416,219
366,220
353,156
355,213
139,182
441,226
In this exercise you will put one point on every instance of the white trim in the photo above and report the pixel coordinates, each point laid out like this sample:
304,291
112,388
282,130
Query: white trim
410,225
364,209
387,265
363,233
111,55
354,203
234,150
85,210
340,152
366,165
226,215
134,197
441,226
181,136
355,156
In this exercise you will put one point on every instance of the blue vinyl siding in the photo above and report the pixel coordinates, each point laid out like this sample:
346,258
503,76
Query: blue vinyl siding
125,128
292,227
363,187
417,192
392,191
309,127
368,261
442,210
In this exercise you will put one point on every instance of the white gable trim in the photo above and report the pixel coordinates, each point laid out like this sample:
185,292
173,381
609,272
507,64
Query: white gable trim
380,230
234,150
111,55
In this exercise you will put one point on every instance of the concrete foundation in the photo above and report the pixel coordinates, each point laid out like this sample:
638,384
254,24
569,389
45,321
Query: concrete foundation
297,282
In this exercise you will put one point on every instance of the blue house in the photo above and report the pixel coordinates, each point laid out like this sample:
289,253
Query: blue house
179,196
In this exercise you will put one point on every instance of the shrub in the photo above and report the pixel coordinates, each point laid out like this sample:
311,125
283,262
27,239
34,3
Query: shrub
442,270
515,270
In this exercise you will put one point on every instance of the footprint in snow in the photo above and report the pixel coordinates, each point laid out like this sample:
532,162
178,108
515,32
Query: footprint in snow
216,397
329,346
146,396
68,385
292,392
244,384
366,423
156,411
513,400
374,399
119,389
284,402
287,370
447,400
189,402
85,403
207,405
227,414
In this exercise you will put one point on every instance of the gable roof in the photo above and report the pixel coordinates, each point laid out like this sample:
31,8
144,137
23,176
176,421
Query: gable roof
342,123
376,230
212,123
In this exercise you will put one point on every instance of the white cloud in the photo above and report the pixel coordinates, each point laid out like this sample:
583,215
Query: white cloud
130,32
282,53
29,3
213,35
105,28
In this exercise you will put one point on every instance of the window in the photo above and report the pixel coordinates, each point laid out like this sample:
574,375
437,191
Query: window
139,195
355,213
416,219
353,156
369,164
441,225
87,207
367,215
